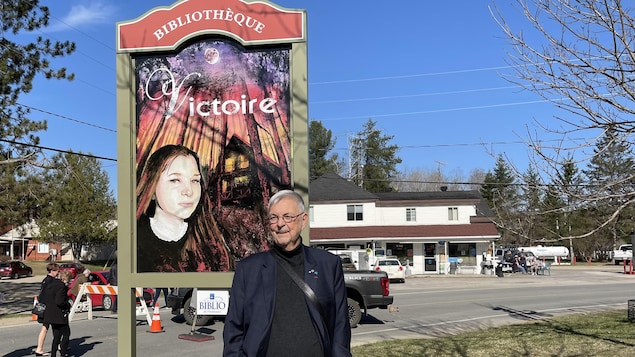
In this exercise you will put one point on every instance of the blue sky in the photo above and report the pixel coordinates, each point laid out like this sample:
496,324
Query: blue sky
430,73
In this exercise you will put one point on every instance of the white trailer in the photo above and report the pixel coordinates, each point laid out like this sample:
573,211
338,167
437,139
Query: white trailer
547,252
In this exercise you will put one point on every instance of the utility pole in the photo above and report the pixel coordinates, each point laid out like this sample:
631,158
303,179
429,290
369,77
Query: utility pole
439,177
356,155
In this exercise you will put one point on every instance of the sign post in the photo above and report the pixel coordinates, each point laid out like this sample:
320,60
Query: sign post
222,85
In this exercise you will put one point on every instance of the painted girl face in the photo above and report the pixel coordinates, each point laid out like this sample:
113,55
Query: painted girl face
179,187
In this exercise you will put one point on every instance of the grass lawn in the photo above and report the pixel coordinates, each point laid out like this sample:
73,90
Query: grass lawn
608,334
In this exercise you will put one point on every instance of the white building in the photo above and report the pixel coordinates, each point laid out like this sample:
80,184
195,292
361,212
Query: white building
434,232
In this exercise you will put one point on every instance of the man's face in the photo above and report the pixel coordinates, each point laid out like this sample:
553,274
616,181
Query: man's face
287,235
179,187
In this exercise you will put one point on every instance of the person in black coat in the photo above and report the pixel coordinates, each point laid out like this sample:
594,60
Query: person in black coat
52,270
56,314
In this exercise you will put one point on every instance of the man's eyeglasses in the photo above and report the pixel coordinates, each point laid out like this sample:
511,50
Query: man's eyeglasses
286,218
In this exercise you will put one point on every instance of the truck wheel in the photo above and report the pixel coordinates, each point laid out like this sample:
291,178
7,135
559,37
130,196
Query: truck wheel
354,312
189,312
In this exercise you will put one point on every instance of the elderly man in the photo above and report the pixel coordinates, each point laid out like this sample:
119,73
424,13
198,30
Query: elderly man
290,300
81,279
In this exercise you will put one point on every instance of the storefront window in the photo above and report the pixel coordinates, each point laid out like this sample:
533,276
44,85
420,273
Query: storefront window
403,252
464,251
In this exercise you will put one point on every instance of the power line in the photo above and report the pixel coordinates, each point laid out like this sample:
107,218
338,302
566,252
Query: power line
410,95
412,75
437,111
58,150
67,118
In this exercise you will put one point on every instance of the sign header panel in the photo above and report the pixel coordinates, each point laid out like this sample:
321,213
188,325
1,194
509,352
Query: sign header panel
164,28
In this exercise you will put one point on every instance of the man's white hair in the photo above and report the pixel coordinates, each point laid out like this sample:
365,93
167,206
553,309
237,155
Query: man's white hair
284,194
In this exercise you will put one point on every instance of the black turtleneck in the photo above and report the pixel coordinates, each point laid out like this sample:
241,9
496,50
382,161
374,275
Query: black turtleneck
292,331
294,258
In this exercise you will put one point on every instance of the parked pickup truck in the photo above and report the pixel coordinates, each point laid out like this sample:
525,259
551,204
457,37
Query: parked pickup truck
623,253
365,289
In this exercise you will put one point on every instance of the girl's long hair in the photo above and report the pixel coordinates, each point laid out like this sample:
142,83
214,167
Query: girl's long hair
205,248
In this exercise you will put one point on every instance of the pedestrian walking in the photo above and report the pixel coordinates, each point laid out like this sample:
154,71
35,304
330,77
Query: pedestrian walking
52,270
157,292
56,314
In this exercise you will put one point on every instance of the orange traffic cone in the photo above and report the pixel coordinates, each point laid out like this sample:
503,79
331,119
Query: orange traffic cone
34,316
156,320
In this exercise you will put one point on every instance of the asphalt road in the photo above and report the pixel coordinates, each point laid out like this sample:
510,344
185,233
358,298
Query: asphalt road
428,306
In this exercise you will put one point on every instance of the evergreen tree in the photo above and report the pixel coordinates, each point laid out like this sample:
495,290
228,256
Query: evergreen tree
376,160
498,188
531,197
500,191
79,209
20,190
320,144
611,184
566,191
19,64
554,215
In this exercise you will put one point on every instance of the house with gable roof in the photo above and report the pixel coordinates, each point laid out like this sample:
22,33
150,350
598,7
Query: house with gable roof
432,232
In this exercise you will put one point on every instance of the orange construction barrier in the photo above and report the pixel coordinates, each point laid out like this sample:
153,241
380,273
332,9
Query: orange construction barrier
156,320
101,289
34,316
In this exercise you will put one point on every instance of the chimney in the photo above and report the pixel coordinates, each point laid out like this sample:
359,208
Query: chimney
444,188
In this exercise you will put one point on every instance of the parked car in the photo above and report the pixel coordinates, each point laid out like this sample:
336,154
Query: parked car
74,268
347,262
393,267
14,269
103,300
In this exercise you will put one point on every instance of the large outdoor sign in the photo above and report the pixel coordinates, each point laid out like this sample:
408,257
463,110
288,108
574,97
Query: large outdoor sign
249,23
212,121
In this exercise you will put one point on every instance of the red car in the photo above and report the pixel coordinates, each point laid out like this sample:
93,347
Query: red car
105,301
14,269
74,268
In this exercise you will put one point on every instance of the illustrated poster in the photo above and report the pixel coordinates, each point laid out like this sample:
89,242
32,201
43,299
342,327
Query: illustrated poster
212,146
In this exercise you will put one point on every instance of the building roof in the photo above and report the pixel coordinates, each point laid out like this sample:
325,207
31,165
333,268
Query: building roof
332,187
429,196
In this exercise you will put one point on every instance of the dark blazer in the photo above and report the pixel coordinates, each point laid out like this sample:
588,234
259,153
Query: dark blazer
251,303
57,305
